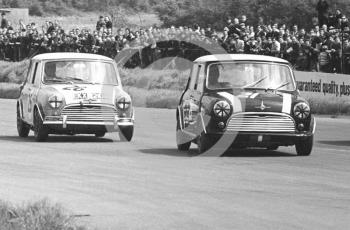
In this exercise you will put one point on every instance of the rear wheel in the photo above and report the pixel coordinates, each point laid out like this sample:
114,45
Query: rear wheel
304,146
126,133
40,131
22,128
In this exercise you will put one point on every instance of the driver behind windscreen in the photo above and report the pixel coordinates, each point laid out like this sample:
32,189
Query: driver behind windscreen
50,71
213,78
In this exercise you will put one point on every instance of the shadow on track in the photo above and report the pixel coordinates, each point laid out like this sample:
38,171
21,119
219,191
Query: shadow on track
230,153
256,153
336,143
57,139
168,152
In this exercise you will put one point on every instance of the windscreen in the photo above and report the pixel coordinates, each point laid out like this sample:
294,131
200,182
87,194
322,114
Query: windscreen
82,72
249,75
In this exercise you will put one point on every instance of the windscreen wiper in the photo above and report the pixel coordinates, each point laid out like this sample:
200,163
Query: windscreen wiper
254,83
70,79
278,87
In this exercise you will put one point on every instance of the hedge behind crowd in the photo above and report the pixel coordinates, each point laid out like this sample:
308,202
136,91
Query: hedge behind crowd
185,12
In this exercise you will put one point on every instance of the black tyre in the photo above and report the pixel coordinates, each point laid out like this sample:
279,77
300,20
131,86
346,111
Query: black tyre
22,128
100,134
204,142
40,131
184,147
181,144
273,147
304,146
126,133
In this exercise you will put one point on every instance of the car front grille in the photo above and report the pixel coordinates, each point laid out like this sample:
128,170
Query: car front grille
89,113
264,122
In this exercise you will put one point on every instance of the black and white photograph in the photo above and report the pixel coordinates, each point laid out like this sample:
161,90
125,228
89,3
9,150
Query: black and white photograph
174,114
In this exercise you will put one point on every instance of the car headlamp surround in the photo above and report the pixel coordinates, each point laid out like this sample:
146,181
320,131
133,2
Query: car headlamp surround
123,103
56,101
302,110
222,109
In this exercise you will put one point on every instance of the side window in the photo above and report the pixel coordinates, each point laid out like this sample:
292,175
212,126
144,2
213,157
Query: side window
34,73
200,79
194,74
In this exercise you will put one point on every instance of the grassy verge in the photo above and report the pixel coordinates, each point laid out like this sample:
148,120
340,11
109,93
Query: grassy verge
9,90
326,106
41,215
13,72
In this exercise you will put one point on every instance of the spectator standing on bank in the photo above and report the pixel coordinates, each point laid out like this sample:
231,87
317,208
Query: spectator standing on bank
324,59
108,22
4,21
100,23
322,9
275,47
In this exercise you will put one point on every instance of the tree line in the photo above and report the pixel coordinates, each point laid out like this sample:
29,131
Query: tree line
189,12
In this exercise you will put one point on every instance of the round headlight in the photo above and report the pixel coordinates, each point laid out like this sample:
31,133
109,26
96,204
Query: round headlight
123,103
222,109
56,101
302,110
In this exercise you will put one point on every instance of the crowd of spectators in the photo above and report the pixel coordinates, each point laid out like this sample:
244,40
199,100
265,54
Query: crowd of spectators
322,48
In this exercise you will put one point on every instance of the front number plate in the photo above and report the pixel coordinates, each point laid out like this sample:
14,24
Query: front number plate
80,96
86,96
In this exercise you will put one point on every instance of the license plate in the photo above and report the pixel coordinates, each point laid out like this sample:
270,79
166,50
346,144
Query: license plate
86,96
81,96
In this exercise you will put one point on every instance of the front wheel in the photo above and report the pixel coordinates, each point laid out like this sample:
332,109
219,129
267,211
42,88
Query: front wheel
22,128
40,131
304,146
126,133
205,142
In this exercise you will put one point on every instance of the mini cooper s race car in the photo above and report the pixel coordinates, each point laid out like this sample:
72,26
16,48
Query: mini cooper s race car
71,93
250,100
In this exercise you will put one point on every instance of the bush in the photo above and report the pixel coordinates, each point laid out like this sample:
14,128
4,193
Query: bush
36,10
40,215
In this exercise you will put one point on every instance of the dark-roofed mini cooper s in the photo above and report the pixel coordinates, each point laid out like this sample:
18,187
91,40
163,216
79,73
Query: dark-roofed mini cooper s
243,101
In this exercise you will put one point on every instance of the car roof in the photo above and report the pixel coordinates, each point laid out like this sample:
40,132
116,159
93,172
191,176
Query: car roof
63,56
239,57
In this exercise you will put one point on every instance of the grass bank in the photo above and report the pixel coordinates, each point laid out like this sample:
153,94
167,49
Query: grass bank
153,88
41,215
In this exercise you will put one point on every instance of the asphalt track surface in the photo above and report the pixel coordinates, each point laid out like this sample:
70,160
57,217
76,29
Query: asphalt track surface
148,184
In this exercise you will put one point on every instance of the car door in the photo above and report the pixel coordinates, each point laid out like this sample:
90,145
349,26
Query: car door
29,93
190,105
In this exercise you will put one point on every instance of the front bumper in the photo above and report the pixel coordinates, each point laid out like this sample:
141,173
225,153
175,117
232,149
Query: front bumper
64,122
245,139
